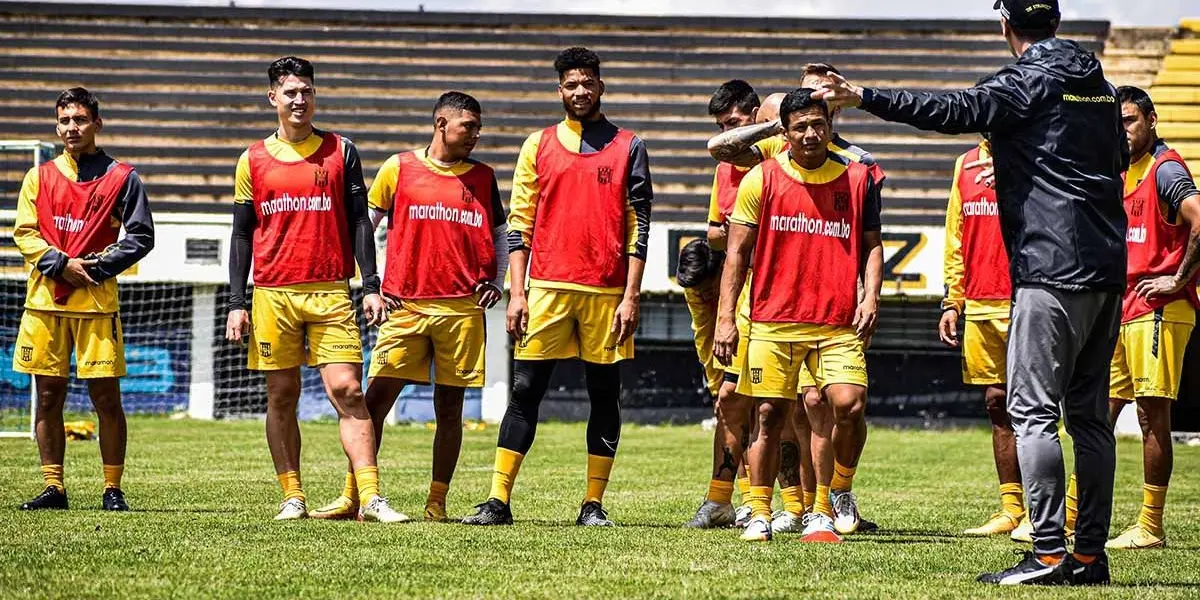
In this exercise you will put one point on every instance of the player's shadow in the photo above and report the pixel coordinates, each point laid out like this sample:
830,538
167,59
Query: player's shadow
619,525
916,533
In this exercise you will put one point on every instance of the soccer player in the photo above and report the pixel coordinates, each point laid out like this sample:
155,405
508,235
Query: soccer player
579,219
842,428
978,286
811,219
300,213
1159,309
1057,140
70,212
734,104
446,256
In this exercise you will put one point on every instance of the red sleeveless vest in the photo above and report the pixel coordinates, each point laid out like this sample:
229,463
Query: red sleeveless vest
985,259
809,248
302,234
729,178
579,226
76,217
439,242
1155,246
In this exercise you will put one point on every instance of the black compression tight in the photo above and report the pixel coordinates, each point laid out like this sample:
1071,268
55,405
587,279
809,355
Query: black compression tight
529,382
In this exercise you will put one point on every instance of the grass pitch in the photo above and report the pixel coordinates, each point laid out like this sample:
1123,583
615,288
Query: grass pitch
203,495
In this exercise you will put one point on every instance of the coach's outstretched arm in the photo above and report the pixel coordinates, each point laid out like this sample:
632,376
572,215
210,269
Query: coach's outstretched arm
999,101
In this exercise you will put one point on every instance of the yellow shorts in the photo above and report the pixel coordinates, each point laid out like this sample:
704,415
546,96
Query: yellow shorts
1148,361
411,342
566,324
283,319
772,369
702,305
47,338
985,348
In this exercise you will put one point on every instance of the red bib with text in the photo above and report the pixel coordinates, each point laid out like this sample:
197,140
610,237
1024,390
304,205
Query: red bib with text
1156,247
579,231
985,259
439,242
809,248
302,234
729,178
77,217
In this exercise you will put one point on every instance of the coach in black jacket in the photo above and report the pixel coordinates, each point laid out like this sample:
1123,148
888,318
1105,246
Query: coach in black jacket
1059,150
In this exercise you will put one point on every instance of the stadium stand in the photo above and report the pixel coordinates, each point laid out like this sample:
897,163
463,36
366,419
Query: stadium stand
1176,93
183,88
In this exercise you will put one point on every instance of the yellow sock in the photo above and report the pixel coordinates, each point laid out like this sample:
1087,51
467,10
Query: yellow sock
112,476
843,477
598,470
743,486
1154,498
720,492
760,500
290,482
350,488
793,499
367,479
821,504
53,474
437,493
1072,502
508,464
809,498
1012,499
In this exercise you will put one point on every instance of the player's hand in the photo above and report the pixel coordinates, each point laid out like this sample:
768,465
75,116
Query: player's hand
374,309
866,318
948,327
237,325
1164,285
489,295
76,272
839,93
625,322
517,320
725,341
988,175
391,303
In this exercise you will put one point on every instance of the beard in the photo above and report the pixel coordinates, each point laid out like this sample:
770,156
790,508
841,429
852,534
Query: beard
588,116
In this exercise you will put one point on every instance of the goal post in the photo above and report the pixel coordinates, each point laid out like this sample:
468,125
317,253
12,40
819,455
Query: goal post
18,399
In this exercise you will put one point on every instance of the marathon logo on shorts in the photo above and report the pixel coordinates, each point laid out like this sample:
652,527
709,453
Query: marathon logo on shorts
468,372
855,368
290,203
264,349
755,375
26,353
438,212
347,347
99,363
802,223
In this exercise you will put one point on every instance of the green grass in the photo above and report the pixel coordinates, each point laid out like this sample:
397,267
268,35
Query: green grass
204,493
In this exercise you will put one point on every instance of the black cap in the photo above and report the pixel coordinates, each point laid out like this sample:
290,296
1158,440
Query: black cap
1029,13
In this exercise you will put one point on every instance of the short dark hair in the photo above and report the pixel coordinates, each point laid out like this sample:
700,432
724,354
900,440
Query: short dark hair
81,97
576,58
1137,96
697,262
819,69
733,93
797,100
1035,33
289,65
457,101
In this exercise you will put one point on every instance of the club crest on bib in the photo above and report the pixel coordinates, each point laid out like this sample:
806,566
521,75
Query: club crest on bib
604,175
1137,207
320,177
841,201
468,193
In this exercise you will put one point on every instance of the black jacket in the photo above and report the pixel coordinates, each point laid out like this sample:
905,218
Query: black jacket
1059,150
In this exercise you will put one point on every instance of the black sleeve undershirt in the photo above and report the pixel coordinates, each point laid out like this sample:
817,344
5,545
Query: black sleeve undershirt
241,253
359,219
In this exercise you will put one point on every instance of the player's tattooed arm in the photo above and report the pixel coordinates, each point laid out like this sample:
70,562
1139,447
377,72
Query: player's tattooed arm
736,146
1189,215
